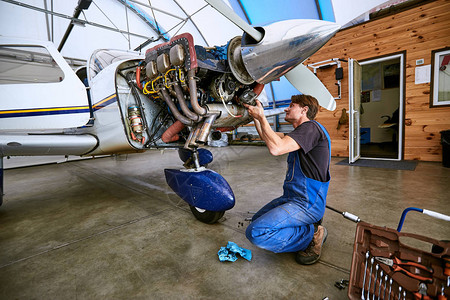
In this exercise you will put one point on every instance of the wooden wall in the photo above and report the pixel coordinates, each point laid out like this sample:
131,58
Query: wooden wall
416,32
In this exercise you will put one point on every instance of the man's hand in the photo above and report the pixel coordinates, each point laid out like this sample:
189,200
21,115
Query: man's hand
257,111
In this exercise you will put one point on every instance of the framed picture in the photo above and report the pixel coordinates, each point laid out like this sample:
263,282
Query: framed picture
365,96
440,77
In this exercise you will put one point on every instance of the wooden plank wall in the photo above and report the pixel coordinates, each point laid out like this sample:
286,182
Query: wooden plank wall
417,31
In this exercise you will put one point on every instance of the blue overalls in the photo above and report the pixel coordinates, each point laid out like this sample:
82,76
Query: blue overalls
286,224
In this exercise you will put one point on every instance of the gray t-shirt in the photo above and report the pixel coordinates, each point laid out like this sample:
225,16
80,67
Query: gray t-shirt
314,151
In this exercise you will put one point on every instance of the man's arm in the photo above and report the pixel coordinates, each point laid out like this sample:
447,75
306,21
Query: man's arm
277,142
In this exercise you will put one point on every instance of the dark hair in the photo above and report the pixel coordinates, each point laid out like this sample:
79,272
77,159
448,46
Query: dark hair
307,100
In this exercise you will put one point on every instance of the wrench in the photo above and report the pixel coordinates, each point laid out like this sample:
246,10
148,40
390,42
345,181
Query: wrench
379,287
375,281
385,284
370,278
390,287
365,272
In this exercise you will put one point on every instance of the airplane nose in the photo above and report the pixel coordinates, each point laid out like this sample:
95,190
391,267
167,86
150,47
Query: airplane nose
285,45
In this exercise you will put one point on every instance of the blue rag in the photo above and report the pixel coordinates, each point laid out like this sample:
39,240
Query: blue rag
229,252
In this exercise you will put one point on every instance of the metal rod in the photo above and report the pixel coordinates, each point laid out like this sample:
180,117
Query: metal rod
46,21
76,14
71,18
128,28
345,214
53,31
193,23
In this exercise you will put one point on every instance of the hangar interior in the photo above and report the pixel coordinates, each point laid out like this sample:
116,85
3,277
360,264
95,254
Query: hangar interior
110,227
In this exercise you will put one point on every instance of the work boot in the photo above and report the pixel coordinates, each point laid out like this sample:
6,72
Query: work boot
312,254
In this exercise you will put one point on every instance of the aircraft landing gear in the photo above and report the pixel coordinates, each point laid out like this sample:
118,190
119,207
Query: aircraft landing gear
208,194
206,216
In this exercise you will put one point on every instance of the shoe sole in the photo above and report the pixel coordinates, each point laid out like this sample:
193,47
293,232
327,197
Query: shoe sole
325,235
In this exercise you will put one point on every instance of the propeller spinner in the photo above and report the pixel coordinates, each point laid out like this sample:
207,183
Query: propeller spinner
279,49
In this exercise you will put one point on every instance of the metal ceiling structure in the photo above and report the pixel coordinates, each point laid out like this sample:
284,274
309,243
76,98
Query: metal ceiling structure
79,27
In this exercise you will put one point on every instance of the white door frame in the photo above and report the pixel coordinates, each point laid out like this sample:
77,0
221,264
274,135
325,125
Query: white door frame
354,96
401,104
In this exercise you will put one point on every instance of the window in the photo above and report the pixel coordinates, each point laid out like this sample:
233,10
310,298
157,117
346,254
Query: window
440,83
100,59
28,64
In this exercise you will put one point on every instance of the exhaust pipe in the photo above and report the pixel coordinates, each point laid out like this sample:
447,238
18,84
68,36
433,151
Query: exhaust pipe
190,142
206,128
187,112
174,109
193,94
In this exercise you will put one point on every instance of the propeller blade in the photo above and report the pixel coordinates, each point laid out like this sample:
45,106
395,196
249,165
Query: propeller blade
307,83
228,13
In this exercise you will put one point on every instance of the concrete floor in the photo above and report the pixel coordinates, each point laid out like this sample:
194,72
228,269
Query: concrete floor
112,228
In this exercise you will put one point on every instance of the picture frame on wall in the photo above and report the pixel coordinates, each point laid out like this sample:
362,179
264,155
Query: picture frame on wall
440,78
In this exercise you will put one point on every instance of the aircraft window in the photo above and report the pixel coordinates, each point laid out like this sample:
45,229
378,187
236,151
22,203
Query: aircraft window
28,64
100,59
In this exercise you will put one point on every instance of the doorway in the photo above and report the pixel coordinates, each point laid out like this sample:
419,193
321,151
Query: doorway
379,116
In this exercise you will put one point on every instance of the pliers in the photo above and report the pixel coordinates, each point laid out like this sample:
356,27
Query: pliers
395,264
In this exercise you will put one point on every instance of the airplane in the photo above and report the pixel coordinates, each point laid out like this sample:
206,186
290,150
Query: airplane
173,97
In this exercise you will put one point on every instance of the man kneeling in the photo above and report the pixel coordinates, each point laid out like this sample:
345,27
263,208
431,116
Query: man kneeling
290,223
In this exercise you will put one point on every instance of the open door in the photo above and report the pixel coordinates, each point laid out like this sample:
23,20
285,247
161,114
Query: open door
354,110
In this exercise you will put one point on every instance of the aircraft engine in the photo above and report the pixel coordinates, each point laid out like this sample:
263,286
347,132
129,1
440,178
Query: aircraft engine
203,88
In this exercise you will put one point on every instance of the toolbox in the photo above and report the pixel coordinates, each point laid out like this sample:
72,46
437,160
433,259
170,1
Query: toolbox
385,267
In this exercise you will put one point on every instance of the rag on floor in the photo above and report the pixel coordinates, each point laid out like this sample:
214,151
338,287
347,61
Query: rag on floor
229,252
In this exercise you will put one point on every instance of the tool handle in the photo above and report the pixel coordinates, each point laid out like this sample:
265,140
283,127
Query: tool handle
351,217
436,215
415,276
413,264
424,211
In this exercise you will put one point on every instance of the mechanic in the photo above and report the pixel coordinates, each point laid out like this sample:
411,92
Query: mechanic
290,223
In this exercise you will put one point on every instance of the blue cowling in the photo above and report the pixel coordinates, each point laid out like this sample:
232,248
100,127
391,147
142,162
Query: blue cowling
204,189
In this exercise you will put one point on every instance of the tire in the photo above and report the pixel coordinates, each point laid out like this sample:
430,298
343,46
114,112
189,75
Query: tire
206,216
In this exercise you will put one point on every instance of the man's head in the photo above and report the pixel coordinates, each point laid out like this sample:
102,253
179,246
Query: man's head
302,108
307,101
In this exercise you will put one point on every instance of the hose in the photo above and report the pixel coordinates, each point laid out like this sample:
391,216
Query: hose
171,134
138,77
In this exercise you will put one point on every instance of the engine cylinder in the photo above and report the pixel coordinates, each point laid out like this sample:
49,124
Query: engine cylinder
151,70
177,55
163,63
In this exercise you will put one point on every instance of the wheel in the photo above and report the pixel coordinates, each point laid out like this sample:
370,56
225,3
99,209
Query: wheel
206,216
